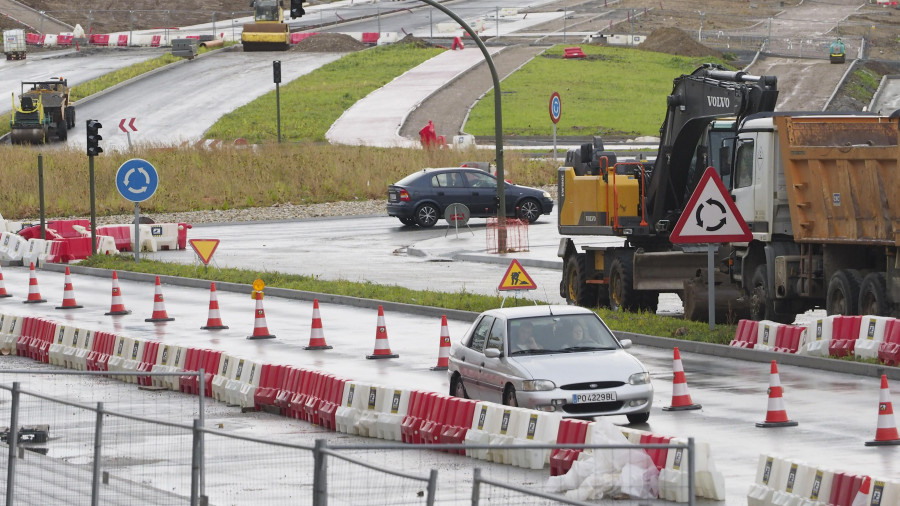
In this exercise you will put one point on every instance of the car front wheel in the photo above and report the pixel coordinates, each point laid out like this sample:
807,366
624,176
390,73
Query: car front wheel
638,418
509,396
457,388
529,210
426,215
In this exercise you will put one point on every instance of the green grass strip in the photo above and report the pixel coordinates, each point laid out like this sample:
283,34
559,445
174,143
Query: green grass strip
311,103
614,91
639,323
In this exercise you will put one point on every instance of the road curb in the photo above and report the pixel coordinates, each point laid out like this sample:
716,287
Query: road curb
709,349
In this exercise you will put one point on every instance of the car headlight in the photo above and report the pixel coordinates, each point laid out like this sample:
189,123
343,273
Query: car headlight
538,385
546,195
641,378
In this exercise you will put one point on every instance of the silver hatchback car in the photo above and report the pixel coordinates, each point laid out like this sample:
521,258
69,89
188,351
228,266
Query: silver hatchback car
560,359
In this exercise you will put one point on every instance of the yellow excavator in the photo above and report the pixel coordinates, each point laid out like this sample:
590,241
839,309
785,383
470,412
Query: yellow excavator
268,32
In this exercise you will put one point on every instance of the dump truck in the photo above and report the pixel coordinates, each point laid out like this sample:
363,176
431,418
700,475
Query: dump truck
14,44
623,213
268,32
817,191
43,112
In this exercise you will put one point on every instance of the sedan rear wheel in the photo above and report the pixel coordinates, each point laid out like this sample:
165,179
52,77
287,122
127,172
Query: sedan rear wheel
509,396
427,215
529,210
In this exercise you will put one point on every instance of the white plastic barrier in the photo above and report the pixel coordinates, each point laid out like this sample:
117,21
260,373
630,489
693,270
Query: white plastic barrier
165,235
799,478
132,358
765,335
10,330
248,388
374,406
388,38
83,341
171,361
226,372
12,246
889,490
387,426
509,418
817,337
534,427
148,242
354,402
871,335
485,421
768,472
50,40
34,252
60,342
244,372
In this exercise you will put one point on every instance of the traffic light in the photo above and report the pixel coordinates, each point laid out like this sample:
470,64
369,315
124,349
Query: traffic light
276,71
93,137
297,9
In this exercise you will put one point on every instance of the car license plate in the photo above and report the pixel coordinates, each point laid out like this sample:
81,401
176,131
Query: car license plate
594,397
392,197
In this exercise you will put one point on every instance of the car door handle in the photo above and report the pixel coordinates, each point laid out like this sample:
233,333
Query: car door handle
482,364
440,193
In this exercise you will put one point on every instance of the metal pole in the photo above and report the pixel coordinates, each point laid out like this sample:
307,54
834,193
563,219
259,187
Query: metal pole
565,23
232,26
554,142
12,440
278,108
93,206
711,281
431,23
195,464
320,474
214,24
41,29
98,442
432,487
41,195
130,28
691,464
497,19
201,387
137,232
378,17
476,485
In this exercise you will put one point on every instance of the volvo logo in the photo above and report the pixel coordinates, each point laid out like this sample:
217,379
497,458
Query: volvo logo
718,101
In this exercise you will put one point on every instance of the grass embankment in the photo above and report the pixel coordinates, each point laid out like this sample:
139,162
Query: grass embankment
643,323
614,91
311,103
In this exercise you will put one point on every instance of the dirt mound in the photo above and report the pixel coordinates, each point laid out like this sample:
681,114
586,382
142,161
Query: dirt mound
676,41
410,39
329,43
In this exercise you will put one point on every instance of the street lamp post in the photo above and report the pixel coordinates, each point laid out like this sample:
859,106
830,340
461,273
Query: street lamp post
700,31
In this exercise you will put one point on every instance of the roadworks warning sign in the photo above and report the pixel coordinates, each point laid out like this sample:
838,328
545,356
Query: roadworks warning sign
516,278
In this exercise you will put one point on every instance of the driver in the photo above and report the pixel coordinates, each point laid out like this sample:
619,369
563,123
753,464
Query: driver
525,340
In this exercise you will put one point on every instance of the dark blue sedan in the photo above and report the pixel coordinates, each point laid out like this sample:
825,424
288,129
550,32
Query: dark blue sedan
421,198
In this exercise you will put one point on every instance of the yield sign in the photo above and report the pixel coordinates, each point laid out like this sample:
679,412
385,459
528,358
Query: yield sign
710,215
516,278
204,248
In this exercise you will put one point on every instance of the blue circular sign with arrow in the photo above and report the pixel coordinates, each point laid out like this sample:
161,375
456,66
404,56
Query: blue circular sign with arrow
137,180
555,107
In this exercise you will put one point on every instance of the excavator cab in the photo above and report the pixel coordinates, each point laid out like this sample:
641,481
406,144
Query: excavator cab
269,31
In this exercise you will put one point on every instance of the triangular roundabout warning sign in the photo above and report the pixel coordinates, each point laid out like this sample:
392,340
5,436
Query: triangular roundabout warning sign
204,248
516,278
710,215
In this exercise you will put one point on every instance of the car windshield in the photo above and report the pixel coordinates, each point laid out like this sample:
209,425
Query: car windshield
559,334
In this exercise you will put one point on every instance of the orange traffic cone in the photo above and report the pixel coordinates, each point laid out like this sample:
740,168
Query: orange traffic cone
681,398
260,329
213,321
316,333
444,350
776,415
34,294
886,433
862,496
159,306
117,307
3,292
382,347
68,293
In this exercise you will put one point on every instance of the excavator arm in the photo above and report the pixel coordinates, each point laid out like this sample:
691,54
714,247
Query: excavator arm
708,93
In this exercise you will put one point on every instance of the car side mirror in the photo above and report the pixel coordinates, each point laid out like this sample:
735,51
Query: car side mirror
626,343
492,353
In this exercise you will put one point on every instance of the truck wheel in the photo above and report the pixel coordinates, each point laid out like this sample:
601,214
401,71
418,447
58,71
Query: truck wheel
578,291
62,132
622,296
761,308
427,215
843,293
70,116
873,296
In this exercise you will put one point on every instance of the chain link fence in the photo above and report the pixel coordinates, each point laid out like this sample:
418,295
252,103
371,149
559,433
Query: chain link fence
85,440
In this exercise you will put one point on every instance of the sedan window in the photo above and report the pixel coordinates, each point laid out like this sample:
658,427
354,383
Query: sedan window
447,180
479,180
479,336
495,339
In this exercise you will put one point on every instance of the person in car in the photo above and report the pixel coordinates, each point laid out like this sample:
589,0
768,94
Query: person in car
525,340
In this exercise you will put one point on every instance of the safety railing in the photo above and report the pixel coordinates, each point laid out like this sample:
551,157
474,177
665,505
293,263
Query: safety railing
104,456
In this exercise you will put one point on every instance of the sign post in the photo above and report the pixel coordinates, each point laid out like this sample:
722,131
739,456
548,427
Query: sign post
710,217
555,112
516,279
137,181
127,133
